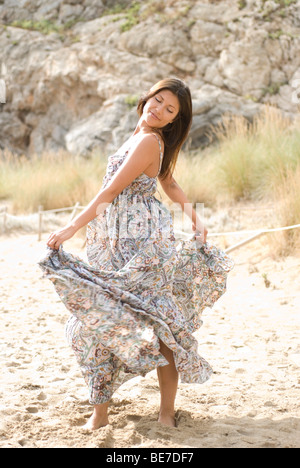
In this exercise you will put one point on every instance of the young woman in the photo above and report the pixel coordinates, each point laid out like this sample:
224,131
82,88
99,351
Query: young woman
136,304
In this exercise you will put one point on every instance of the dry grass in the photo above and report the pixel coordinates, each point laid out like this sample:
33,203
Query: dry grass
196,175
53,180
287,195
253,158
261,162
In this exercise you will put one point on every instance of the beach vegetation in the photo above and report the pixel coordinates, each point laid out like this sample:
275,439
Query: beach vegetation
53,180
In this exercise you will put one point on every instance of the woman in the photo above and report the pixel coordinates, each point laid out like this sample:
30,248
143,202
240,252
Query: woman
136,304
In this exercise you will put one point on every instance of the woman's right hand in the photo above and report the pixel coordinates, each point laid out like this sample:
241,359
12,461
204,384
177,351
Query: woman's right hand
56,238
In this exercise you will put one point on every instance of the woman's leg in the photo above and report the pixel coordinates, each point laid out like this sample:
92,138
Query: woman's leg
168,383
97,366
99,417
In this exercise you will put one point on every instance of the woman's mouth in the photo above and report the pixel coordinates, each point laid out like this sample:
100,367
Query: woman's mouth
154,116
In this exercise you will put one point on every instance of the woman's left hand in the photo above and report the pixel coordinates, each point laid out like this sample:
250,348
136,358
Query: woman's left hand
56,238
201,232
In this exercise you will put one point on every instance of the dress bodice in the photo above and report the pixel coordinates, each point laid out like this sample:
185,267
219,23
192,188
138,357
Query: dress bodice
142,185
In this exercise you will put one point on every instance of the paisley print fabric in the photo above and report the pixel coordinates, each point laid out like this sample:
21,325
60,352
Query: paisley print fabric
140,286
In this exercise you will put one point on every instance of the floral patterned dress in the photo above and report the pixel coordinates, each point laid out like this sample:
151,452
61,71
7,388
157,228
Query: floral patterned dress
140,286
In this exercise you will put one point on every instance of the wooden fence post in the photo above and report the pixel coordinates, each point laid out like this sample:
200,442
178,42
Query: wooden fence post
74,211
4,218
40,213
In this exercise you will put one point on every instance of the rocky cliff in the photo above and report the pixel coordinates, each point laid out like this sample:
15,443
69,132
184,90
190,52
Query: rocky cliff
71,70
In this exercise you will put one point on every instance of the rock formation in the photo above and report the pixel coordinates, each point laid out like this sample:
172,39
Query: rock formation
71,71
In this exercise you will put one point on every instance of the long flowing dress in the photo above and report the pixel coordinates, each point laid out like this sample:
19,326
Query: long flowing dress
141,285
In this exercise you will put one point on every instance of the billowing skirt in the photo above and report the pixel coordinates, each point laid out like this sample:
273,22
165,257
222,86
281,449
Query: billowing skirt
134,292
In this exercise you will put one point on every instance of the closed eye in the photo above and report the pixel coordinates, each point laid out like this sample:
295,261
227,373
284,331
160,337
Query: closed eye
160,101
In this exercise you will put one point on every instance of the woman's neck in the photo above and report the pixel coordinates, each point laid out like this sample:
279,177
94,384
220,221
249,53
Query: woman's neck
143,127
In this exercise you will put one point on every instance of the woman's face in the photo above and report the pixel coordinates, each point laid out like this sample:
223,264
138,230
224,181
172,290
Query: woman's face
161,109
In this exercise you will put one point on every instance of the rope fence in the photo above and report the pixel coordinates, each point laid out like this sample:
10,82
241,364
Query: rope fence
40,214
255,233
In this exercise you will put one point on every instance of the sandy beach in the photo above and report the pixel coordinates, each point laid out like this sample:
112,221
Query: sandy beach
251,338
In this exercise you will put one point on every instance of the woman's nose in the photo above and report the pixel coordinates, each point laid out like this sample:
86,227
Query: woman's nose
159,108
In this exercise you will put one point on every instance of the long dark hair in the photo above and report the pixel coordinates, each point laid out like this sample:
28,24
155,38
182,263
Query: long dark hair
175,133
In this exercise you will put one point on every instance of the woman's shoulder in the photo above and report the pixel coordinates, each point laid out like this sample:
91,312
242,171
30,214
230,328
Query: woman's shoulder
152,140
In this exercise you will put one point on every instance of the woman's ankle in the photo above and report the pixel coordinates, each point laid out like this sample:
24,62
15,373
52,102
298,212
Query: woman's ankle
99,418
167,418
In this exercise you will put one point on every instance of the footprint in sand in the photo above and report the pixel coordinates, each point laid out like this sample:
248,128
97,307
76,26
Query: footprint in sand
32,409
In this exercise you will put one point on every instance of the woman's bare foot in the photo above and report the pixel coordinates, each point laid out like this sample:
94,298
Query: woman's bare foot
98,419
167,420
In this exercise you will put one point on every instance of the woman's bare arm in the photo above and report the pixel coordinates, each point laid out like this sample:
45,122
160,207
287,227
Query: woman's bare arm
177,195
142,155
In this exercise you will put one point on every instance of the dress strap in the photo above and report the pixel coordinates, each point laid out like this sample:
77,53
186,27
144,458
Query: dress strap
161,154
